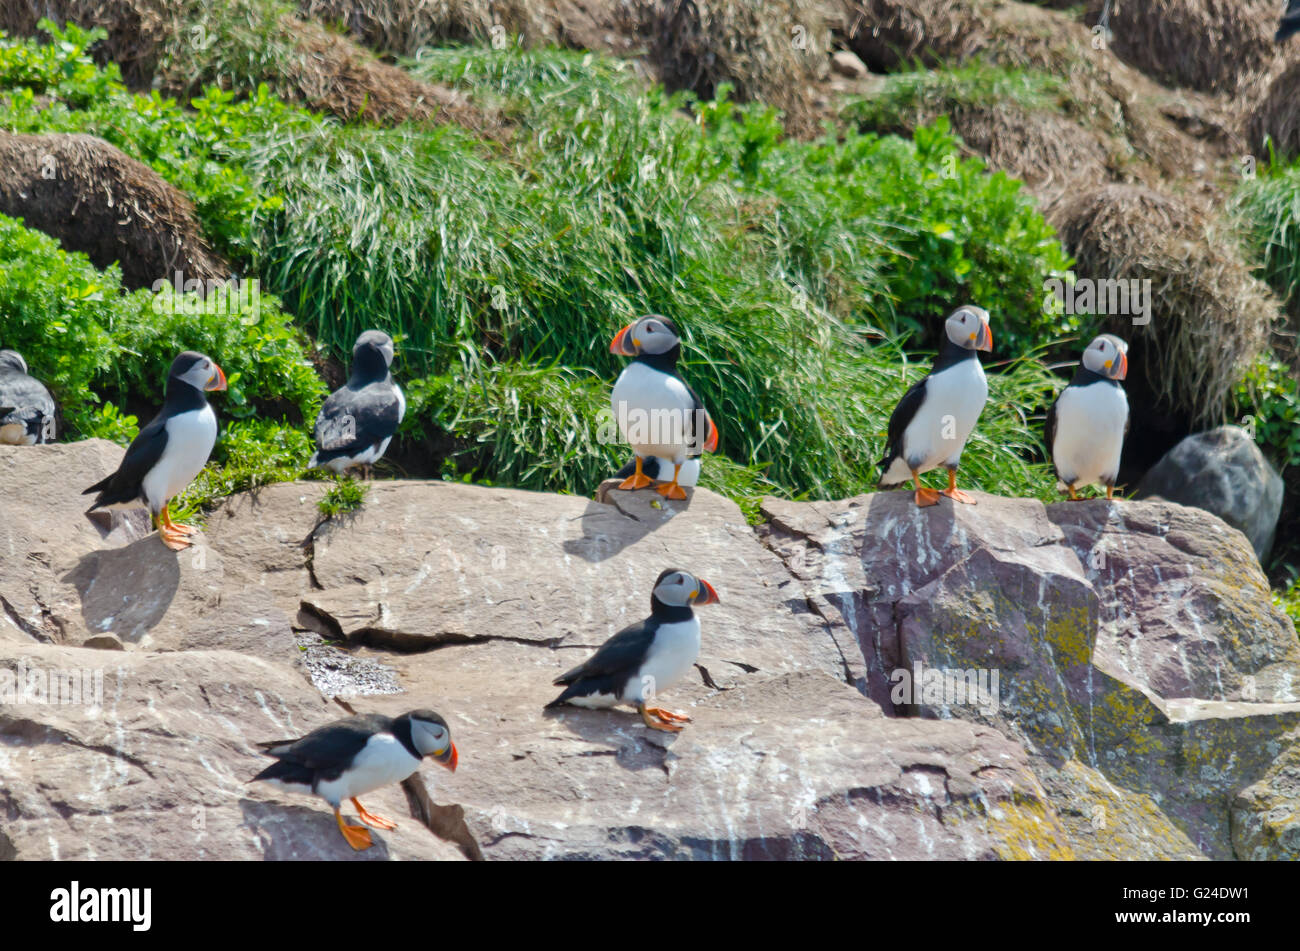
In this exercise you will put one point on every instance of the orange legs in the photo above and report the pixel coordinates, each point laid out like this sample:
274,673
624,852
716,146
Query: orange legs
671,490
954,493
637,480
356,836
174,535
658,719
370,819
924,496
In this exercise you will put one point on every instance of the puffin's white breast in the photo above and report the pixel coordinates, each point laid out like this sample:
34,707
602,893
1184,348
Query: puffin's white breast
672,653
190,438
653,410
381,762
954,399
1089,432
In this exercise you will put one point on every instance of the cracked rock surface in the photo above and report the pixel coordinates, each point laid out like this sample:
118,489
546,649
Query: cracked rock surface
1147,697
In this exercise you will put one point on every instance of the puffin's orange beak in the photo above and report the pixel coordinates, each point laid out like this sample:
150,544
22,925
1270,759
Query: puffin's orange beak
218,380
710,596
985,341
449,758
1121,371
622,343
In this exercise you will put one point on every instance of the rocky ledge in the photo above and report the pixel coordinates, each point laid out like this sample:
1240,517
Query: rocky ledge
1146,701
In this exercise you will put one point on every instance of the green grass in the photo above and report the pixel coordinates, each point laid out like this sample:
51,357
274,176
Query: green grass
803,273
345,495
908,97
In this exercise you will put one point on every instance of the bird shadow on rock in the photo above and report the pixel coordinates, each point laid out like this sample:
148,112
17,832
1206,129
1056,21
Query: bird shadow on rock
619,733
301,833
617,519
126,591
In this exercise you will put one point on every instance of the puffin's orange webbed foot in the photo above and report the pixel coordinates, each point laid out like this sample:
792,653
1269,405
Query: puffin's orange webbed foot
356,836
669,715
957,495
926,496
651,718
671,490
370,819
637,480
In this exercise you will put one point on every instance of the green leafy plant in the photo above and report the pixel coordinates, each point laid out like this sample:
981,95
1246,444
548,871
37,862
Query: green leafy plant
344,496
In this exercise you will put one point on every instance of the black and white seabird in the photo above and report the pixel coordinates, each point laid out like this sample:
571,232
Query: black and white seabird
168,453
1290,21
26,408
645,658
355,756
657,411
1087,423
359,419
933,420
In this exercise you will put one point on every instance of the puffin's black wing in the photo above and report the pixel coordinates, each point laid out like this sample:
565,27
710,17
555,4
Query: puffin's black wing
27,402
906,409
143,454
1290,21
708,440
353,420
331,746
614,661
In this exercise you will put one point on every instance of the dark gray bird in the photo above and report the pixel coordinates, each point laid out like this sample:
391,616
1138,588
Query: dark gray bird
26,407
359,419
1290,21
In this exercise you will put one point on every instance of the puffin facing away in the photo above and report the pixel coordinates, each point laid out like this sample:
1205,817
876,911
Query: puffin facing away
358,420
1290,21
357,755
168,453
1087,423
26,407
657,411
657,468
933,420
646,657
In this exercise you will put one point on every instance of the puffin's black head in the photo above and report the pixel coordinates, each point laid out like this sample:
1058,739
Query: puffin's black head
1107,355
196,370
968,327
652,335
372,355
13,360
432,737
681,589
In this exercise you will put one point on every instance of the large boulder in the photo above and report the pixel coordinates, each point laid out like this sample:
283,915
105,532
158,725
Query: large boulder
1145,706
1221,471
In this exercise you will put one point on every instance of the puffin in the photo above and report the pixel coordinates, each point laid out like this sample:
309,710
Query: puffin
169,452
657,411
644,658
358,420
1290,21
1088,421
26,407
357,755
933,420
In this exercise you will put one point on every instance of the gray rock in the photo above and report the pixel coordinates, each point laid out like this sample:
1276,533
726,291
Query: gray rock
1224,472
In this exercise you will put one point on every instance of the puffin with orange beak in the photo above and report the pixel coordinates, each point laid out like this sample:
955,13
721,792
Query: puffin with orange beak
1087,423
933,420
168,453
646,657
357,755
657,411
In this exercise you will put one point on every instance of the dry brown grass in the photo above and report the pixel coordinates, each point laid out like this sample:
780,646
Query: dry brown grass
773,52
97,200
183,45
403,27
1210,317
1276,115
1210,45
